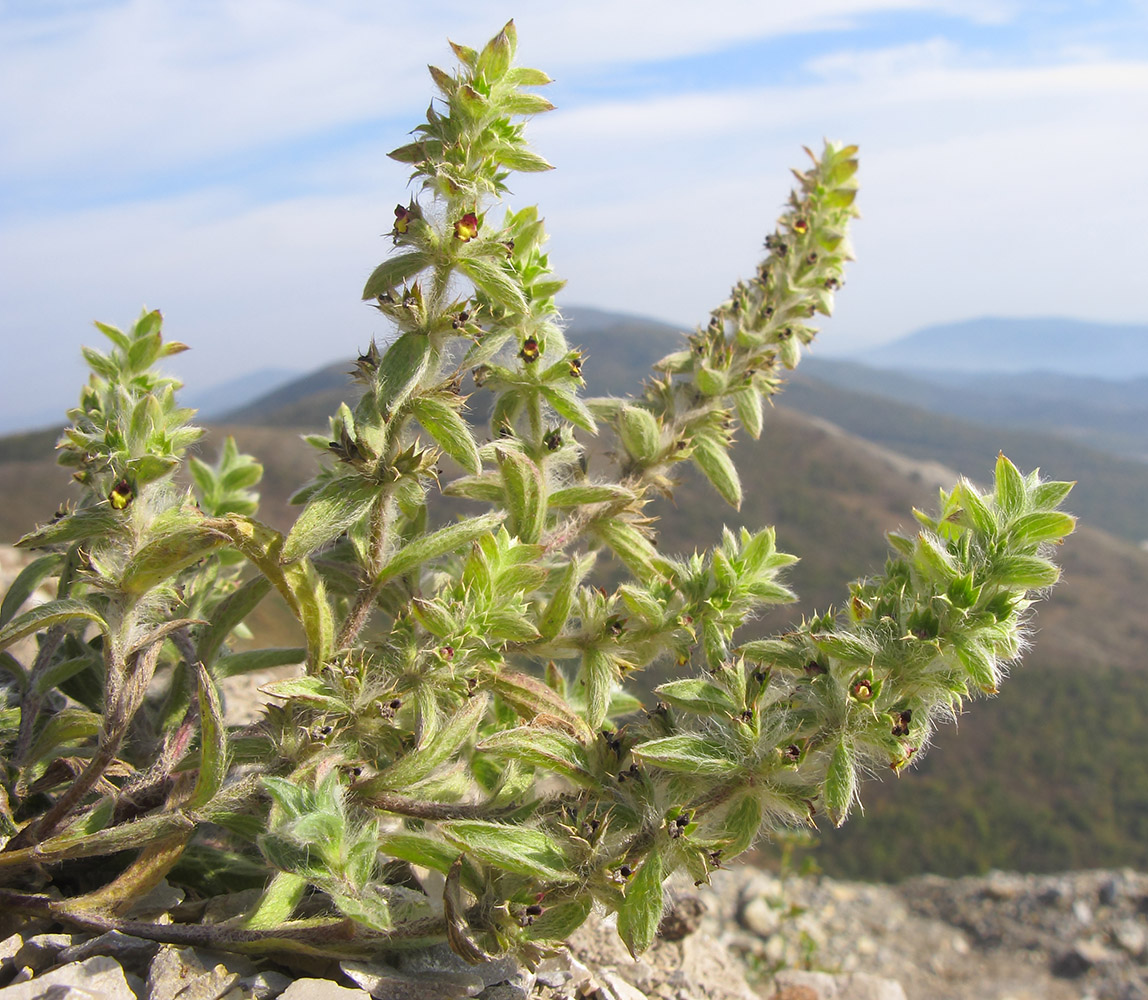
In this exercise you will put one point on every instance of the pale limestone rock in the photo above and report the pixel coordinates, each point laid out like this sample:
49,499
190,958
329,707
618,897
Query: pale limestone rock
384,982
792,984
39,952
321,989
97,978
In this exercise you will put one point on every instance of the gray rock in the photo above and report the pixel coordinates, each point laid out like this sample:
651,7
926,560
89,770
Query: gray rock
384,982
1130,936
180,973
39,952
9,948
131,952
264,985
161,899
562,971
760,916
321,989
518,988
619,988
793,984
683,917
97,978
234,904
440,958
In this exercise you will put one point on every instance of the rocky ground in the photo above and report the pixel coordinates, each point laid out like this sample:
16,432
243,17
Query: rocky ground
1074,936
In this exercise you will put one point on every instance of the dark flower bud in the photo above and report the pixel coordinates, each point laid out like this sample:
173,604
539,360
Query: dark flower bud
121,495
466,228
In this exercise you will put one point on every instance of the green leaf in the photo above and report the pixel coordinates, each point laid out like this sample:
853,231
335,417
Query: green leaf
641,910
213,756
415,765
402,367
26,582
840,782
579,496
330,511
419,849
519,158
164,556
443,422
525,497
310,690
67,726
557,610
518,849
452,537
1009,487
980,666
549,748
530,698
600,674
258,659
933,560
560,920
1024,572
687,753
494,282
278,902
89,522
567,405
714,461
486,487
741,824
79,843
229,613
62,670
698,695
1046,496
1041,526
748,404
524,76
850,647
977,512
44,616
640,433
495,57
396,271
630,545
100,363
115,335
525,104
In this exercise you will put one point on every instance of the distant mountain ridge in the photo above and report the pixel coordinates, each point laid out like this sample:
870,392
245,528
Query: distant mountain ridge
892,409
1100,413
1003,344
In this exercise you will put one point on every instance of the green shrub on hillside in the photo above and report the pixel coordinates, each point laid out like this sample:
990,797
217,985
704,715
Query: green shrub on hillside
464,706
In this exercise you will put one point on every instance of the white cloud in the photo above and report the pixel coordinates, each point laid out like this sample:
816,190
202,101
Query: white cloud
142,85
988,186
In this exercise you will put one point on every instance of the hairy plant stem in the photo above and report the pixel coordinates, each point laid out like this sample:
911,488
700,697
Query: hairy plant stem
31,701
402,805
360,612
320,937
122,704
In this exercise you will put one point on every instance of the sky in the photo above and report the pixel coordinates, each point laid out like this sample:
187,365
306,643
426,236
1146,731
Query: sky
225,161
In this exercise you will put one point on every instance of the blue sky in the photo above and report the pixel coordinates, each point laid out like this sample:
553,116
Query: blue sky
224,160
